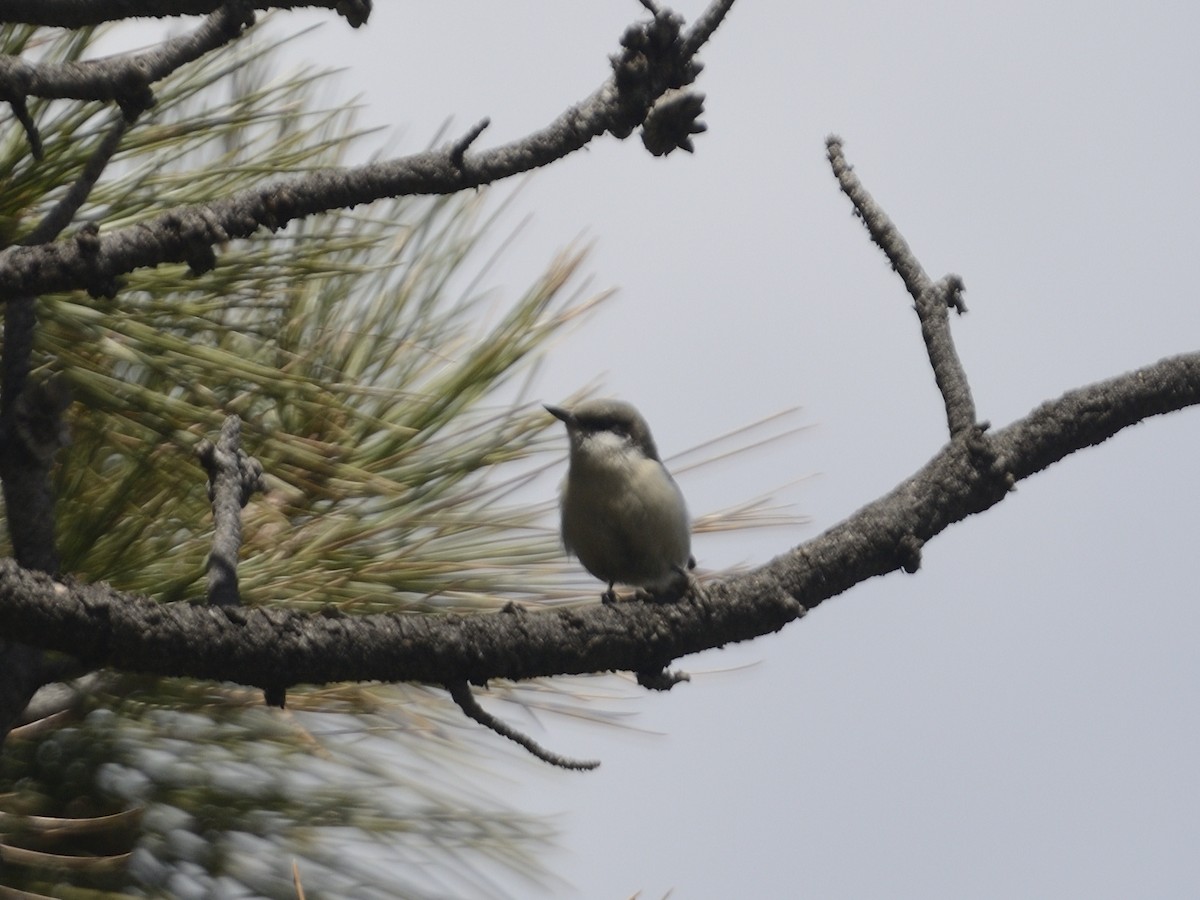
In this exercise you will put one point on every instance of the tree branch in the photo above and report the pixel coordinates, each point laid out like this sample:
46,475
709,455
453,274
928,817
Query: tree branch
20,111
704,26
125,78
460,692
233,477
264,647
30,429
60,216
653,60
31,432
276,648
82,13
931,300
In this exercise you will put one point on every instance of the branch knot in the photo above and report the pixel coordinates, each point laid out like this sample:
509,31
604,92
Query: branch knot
655,58
672,121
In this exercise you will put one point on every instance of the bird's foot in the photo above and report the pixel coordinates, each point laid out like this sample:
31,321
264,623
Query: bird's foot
683,584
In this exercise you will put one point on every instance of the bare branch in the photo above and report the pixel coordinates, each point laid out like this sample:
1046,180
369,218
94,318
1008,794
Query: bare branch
31,431
461,694
233,477
932,309
651,63
124,78
265,646
931,300
82,13
64,210
885,235
704,26
21,112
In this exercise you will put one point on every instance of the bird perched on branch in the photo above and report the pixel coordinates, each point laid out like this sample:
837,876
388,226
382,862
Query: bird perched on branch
623,515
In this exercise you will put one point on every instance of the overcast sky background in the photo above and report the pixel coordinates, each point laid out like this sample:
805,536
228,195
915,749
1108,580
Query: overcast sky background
1022,717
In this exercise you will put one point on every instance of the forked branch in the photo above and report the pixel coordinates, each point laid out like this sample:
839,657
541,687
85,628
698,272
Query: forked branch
233,477
124,78
932,300
266,646
271,647
656,57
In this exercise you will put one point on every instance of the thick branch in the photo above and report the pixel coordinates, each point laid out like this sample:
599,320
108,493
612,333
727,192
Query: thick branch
267,647
30,428
650,64
31,431
82,13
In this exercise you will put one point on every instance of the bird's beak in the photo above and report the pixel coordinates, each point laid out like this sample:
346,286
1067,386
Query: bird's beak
558,412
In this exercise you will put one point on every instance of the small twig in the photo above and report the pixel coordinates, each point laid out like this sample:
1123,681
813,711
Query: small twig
704,26
878,225
64,210
21,111
948,372
931,300
460,692
232,478
459,148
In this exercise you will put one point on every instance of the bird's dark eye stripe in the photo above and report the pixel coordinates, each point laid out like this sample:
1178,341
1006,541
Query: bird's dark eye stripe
604,423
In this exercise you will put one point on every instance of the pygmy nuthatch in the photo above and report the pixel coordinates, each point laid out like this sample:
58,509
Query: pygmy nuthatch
622,513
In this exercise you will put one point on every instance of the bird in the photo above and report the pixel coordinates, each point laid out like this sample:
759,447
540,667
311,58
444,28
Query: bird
623,515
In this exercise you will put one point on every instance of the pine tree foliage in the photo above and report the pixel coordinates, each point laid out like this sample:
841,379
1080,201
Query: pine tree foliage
383,390
368,367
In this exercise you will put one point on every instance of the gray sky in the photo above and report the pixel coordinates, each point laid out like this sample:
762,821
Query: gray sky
1022,717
